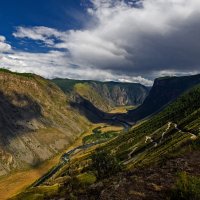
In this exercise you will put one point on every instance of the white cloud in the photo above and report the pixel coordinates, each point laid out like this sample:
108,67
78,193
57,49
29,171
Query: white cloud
55,64
161,37
4,47
41,33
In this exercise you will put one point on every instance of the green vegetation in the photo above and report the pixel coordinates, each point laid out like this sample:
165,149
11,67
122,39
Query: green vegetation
105,164
184,116
38,193
99,136
173,131
196,144
85,179
28,75
187,188
67,85
164,91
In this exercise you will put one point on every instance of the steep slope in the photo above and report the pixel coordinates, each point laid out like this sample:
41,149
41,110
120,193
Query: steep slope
146,148
36,121
164,91
105,95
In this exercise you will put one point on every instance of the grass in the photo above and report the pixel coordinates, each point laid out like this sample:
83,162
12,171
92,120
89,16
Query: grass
102,134
28,75
187,188
85,179
38,193
111,128
17,182
99,137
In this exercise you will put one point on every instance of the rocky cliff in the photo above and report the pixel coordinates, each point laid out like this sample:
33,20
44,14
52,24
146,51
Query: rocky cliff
105,95
164,91
36,121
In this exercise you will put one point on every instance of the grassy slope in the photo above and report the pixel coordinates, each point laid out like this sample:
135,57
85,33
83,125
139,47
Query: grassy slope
184,112
14,183
164,91
36,120
23,179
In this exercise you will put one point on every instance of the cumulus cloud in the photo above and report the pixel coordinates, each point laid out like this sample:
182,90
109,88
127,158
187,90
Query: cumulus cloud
55,64
4,47
41,33
132,40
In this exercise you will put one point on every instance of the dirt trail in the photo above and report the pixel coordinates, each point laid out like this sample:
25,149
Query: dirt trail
168,127
193,136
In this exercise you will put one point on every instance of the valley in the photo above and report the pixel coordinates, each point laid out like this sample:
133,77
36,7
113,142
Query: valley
106,96
16,182
100,100
112,144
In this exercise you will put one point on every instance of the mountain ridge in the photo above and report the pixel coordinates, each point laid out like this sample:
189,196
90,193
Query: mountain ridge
164,91
164,143
36,121
105,95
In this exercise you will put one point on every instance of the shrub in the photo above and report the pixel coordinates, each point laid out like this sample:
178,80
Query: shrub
86,179
187,188
196,144
105,164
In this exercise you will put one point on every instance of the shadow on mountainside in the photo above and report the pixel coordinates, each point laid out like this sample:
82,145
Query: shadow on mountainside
93,114
16,113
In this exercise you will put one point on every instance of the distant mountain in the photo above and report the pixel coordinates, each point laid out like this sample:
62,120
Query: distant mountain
166,143
164,91
105,95
36,121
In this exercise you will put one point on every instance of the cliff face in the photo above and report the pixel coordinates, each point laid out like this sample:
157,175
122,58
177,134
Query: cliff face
164,91
36,121
105,95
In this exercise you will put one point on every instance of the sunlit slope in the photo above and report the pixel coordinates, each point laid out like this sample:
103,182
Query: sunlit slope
166,132
36,121
171,132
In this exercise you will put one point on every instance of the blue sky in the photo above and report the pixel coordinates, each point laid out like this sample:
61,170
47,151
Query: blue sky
59,14
118,40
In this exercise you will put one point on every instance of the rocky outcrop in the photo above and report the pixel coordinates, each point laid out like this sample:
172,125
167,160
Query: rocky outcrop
164,91
36,121
105,95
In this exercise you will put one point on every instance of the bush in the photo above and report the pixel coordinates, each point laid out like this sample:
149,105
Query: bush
187,188
196,144
86,179
105,164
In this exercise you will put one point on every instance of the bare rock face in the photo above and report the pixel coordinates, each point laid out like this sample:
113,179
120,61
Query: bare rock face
106,95
164,91
36,121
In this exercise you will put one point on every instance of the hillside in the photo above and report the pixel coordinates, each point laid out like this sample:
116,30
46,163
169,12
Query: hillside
164,91
36,121
105,95
141,163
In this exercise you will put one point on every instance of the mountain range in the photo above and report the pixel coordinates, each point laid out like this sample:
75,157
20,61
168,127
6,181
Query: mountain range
40,118
105,95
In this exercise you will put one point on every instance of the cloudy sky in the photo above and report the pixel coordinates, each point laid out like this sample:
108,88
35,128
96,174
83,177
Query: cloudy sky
120,40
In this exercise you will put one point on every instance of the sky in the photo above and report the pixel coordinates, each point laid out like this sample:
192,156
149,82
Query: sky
107,40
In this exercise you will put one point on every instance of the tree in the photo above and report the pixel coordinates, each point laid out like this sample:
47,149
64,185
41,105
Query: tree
105,164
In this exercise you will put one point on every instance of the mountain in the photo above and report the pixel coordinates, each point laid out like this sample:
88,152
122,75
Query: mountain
140,163
164,91
36,121
105,95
